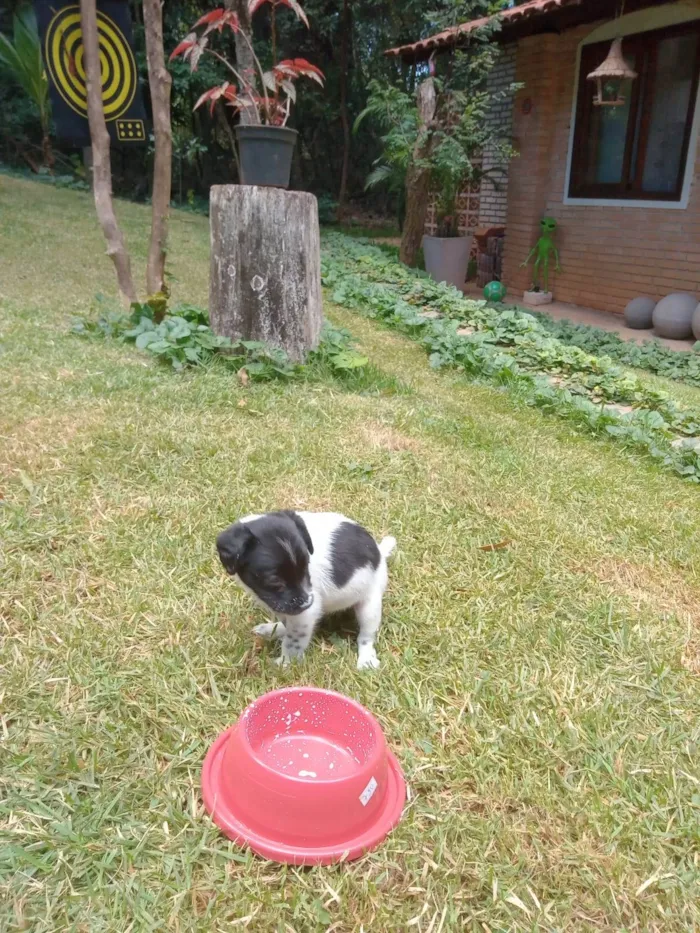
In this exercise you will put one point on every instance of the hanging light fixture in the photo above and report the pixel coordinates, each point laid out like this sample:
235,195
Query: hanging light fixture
609,76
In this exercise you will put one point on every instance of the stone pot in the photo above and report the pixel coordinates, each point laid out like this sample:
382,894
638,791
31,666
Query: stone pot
265,154
447,258
537,298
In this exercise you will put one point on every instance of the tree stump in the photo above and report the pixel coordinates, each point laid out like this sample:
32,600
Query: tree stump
265,281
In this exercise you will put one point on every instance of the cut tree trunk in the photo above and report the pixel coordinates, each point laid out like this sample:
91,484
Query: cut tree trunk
102,167
265,281
160,83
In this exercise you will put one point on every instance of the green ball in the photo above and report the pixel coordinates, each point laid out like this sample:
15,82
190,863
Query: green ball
495,291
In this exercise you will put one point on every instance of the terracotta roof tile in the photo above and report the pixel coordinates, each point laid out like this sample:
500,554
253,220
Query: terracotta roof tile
449,36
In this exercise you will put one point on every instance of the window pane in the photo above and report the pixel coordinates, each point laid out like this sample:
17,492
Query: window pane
669,110
608,137
609,125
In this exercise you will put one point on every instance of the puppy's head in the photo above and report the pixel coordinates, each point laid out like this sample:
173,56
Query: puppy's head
270,555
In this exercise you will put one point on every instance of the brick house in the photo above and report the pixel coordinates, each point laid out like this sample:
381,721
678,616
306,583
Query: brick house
620,181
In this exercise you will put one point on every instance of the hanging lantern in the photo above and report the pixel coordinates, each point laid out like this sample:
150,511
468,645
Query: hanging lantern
609,76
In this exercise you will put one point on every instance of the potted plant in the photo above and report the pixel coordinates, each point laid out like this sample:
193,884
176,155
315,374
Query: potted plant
447,253
263,99
433,141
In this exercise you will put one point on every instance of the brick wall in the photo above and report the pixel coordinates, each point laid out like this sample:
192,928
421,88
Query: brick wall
608,254
493,195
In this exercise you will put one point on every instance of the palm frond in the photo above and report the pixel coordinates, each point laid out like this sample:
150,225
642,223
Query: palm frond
21,56
379,175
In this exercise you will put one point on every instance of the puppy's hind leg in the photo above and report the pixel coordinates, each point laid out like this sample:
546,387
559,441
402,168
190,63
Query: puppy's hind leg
369,618
270,631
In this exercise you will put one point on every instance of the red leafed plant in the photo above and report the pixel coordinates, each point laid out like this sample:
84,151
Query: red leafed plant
269,103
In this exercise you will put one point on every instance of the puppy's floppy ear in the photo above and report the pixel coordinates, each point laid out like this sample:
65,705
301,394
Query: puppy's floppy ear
232,545
301,525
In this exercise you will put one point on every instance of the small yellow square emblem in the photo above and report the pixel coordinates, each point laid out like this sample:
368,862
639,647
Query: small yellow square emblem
131,131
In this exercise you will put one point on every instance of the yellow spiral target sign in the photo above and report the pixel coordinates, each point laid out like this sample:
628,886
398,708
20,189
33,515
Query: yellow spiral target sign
63,50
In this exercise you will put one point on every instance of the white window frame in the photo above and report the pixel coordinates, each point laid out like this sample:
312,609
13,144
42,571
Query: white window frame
643,21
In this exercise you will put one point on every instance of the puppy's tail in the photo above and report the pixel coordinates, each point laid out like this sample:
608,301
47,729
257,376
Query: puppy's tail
386,546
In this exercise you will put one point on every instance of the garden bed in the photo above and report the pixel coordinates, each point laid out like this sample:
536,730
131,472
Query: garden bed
513,348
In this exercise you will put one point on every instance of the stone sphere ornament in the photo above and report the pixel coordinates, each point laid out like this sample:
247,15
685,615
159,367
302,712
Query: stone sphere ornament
639,313
696,323
673,316
494,291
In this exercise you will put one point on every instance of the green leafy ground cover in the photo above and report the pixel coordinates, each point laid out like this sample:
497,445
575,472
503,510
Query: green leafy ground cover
184,338
651,355
509,347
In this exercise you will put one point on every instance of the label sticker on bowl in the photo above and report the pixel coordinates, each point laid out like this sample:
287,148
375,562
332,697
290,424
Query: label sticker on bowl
368,792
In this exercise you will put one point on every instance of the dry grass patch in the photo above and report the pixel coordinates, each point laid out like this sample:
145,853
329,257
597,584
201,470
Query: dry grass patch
656,587
690,659
658,590
384,436
287,495
41,441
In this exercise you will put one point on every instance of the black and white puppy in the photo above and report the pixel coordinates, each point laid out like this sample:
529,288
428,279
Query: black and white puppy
303,565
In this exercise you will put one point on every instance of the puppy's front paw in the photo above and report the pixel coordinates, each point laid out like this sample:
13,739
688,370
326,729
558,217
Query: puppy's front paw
269,630
282,661
368,660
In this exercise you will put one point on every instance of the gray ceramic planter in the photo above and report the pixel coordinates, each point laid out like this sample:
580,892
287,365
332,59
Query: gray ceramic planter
265,154
447,258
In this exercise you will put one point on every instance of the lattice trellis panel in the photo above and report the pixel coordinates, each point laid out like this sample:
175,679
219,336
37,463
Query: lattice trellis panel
468,204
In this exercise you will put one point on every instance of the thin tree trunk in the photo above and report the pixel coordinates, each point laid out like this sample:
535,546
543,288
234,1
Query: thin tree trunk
345,28
102,168
160,83
244,54
226,127
87,165
418,178
47,151
273,34
33,165
298,183
417,199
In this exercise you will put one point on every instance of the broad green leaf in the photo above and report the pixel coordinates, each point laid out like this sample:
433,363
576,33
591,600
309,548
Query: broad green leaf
146,338
348,359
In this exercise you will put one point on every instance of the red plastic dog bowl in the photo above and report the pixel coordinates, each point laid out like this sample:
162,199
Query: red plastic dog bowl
304,777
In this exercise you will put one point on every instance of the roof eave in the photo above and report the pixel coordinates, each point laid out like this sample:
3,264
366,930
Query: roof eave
533,17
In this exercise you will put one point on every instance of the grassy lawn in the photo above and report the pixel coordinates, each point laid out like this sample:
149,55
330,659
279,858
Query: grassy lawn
542,698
